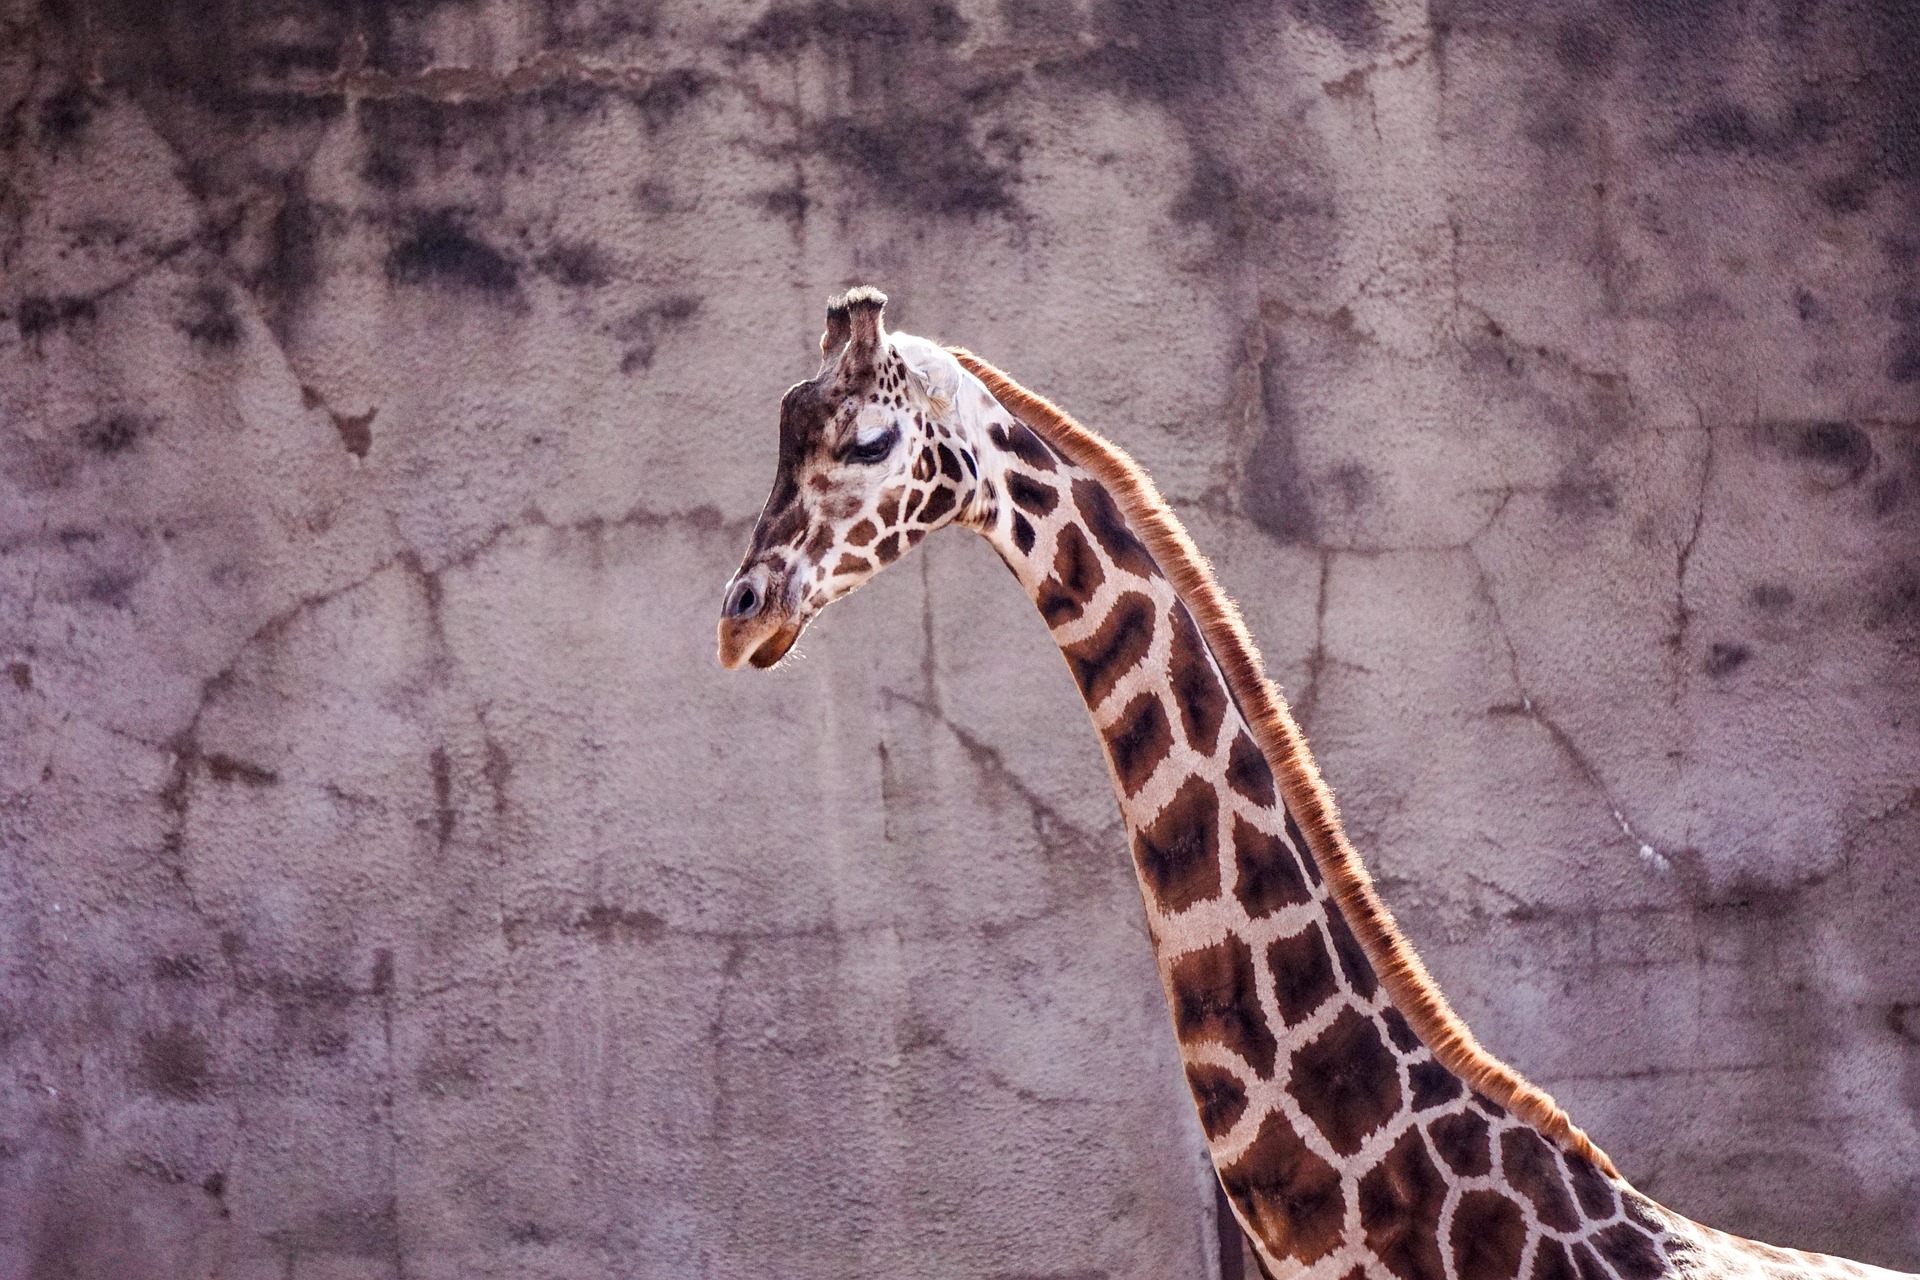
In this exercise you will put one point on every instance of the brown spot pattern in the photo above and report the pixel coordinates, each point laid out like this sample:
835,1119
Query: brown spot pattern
1123,639
1247,771
1220,1096
1076,576
1302,974
1290,1195
789,526
1432,1084
1400,1201
939,502
889,549
1587,1266
1016,439
1030,493
1022,534
1197,691
1346,1081
1551,1262
1488,1237
1268,875
1529,1167
1138,740
1299,838
1179,851
1462,1142
849,563
1353,960
1637,1208
1399,1031
1214,1000
1591,1186
861,534
1631,1251
1110,529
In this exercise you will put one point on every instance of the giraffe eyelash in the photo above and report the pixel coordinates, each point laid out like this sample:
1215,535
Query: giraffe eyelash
875,449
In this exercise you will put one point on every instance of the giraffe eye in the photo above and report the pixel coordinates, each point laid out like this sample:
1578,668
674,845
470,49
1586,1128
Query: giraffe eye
876,449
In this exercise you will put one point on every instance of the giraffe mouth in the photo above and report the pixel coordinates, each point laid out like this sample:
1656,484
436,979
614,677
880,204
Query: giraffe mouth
774,647
758,647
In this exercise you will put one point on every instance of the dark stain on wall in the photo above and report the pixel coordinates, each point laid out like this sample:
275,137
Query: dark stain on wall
1840,453
291,254
1166,51
182,967
1894,604
840,25
608,923
64,118
409,140
910,130
598,26
925,163
1353,22
222,767
440,766
112,434
1277,495
1213,197
1585,49
358,1232
438,249
175,1063
39,314
642,330
448,1073
1725,658
667,95
112,587
210,319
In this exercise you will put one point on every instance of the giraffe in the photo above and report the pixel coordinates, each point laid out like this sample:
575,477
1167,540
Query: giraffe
1358,1129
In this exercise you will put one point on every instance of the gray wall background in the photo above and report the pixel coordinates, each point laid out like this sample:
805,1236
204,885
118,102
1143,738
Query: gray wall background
394,886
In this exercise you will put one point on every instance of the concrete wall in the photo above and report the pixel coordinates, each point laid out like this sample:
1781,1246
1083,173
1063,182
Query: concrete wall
391,883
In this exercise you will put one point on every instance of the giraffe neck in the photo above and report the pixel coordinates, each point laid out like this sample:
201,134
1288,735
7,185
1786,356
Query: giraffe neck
1343,1138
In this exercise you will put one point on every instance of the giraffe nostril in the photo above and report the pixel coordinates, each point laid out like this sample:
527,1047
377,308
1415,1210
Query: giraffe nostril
745,603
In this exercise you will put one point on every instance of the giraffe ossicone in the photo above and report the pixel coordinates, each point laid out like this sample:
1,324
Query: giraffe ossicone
1357,1127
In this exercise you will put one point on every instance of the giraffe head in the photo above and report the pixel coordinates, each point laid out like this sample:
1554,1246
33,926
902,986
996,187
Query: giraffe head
874,456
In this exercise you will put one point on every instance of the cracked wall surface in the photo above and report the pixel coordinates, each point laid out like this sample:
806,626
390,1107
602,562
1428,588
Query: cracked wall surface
391,884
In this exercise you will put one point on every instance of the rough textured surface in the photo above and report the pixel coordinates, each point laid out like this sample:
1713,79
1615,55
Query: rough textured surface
393,885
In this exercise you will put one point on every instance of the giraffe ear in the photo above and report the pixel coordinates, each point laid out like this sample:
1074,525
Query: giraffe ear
931,369
866,336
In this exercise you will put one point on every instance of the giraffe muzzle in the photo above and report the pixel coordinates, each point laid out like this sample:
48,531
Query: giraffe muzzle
756,642
754,629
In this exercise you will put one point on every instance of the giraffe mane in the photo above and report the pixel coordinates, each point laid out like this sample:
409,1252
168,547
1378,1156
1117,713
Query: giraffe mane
1307,796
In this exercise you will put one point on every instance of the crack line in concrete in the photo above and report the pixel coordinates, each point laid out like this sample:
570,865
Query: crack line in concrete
1317,655
1046,818
1527,708
1682,612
